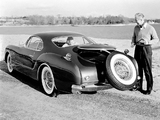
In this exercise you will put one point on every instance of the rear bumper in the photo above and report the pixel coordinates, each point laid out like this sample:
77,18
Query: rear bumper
90,88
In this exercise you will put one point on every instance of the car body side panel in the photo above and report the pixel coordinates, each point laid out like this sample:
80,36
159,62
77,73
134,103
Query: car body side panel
65,80
20,55
65,72
15,56
88,69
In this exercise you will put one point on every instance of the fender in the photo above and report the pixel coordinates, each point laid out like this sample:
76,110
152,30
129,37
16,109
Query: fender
12,48
58,63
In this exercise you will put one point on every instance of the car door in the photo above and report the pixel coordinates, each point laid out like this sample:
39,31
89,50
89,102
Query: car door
30,52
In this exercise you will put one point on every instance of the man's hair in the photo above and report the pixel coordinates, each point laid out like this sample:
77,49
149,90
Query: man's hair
139,15
69,38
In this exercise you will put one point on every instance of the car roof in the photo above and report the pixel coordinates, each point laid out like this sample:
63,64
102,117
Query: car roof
52,34
47,36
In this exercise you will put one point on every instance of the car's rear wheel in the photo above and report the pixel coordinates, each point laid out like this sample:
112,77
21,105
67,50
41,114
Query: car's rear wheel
9,64
47,80
121,72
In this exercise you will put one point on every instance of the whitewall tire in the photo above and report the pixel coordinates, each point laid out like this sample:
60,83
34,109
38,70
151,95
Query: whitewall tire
9,64
121,71
47,80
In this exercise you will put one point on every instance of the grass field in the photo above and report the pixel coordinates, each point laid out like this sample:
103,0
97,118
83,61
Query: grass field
106,32
118,36
18,98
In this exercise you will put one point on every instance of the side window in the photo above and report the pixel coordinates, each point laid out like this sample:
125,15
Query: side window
35,43
59,41
85,41
80,40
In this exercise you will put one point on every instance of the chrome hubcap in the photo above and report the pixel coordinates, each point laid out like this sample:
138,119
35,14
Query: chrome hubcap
48,80
122,70
9,64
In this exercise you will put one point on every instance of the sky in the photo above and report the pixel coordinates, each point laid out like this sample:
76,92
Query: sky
127,8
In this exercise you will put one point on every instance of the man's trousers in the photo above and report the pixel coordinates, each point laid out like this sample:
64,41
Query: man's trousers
143,55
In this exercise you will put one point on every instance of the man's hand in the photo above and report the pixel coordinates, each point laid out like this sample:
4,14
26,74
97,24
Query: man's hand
132,45
143,41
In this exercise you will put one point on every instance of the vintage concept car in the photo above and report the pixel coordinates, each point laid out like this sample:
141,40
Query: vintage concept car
85,66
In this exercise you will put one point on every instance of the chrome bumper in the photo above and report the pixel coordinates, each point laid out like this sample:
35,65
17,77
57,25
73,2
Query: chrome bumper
89,88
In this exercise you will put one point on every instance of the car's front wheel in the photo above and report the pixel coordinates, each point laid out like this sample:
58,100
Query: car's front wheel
121,72
9,64
47,80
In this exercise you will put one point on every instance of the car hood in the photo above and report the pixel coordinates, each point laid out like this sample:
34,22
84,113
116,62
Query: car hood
96,47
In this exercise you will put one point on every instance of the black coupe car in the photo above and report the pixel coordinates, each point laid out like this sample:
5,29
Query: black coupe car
84,66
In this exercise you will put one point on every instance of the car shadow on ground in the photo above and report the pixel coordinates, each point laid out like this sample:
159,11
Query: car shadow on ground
20,77
23,78
29,81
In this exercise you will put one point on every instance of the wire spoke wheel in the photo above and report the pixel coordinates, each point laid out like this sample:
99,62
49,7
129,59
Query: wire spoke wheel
121,71
9,64
47,80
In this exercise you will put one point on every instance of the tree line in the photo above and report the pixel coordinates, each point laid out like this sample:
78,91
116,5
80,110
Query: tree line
61,20
101,20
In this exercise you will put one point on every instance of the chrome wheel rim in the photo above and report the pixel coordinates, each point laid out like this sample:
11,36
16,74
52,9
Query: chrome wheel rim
122,70
9,66
47,80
